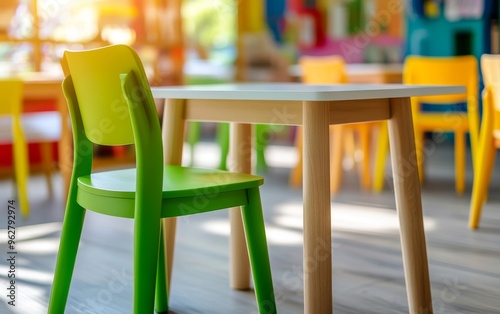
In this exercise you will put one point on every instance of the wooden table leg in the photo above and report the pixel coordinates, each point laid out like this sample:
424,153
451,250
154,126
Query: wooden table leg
241,155
409,206
173,140
317,216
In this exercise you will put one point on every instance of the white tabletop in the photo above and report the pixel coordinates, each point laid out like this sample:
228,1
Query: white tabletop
301,92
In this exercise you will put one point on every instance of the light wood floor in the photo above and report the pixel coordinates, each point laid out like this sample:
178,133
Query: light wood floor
367,276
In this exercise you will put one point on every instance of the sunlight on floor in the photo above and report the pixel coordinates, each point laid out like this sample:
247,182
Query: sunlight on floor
33,240
347,217
40,247
31,276
287,223
34,231
279,236
276,156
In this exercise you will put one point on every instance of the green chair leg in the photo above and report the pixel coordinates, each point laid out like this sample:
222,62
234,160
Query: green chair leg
222,138
161,300
146,244
253,221
68,248
193,137
261,140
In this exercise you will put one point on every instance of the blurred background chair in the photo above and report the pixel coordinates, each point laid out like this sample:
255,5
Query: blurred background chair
194,127
332,70
148,192
489,137
20,129
222,133
260,131
11,131
462,70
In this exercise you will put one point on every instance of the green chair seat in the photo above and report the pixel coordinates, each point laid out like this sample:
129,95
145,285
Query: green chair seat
177,182
113,192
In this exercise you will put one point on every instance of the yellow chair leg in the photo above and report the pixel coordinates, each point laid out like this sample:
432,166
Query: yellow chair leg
482,170
348,147
481,181
21,168
364,143
419,145
459,162
296,173
489,160
474,127
336,157
380,158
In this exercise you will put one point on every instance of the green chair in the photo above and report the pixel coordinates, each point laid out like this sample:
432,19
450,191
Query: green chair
110,103
260,132
194,127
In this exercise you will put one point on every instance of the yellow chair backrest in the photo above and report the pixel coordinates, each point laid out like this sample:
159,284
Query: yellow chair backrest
95,75
462,70
12,93
323,70
490,68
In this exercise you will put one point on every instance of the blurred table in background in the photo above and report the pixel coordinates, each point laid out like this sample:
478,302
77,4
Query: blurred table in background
40,86
364,73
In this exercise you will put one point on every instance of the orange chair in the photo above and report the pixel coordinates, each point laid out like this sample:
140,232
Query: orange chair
489,138
462,70
331,70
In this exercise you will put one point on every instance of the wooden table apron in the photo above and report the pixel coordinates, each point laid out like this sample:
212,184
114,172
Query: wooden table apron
315,114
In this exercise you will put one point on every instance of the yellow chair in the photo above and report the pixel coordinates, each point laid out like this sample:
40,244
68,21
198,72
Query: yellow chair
489,138
462,70
21,129
11,131
332,70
